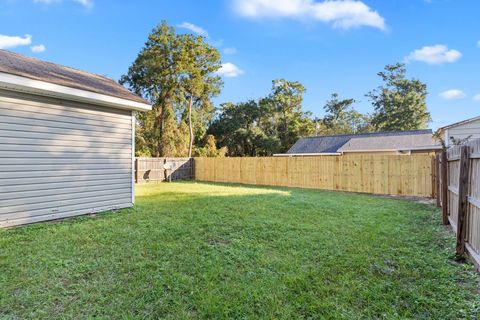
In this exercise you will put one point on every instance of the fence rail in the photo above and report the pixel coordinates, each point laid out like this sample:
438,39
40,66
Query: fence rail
377,174
459,196
153,170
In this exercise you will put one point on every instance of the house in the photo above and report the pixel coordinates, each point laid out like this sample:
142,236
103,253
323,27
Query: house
461,131
66,141
396,142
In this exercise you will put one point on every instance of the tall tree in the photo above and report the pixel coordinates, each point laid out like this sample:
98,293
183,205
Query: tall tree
288,119
400,102
154,76
341,118
176,73
198,62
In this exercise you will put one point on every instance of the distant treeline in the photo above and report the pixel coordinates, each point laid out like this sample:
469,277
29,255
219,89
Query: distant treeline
177,73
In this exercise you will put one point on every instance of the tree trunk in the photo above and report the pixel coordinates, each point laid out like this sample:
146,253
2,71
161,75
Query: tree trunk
190,127
160,130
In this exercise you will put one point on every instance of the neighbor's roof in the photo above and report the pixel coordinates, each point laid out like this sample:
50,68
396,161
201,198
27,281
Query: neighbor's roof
390,142
394,140
19,65
460,123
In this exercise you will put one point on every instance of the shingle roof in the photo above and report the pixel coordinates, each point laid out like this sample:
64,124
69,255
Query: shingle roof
394,140
399,142
16,64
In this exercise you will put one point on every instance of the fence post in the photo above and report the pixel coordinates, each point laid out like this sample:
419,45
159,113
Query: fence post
136,170
192,166
444,180
436,179
462,198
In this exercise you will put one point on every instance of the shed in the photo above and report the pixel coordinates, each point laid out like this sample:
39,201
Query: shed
461,131
392,142
66,141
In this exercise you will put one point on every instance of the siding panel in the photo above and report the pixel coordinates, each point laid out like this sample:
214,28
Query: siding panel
35,121
68,135
28,128
43,180
69,114
64,118
60,159
469,130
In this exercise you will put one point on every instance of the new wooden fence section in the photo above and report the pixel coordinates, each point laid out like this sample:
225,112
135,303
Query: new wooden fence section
152,169
459,195
377,174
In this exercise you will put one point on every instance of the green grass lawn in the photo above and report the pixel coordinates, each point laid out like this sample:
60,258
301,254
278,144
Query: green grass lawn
193,250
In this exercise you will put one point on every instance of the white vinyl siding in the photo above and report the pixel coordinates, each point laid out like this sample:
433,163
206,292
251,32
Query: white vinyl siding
463,131
60,159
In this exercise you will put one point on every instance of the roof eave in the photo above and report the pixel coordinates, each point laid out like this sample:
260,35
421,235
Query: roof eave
22,84
367,150
306,154
432,147
459,123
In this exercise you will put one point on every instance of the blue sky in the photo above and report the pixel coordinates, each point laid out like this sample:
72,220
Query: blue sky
329,46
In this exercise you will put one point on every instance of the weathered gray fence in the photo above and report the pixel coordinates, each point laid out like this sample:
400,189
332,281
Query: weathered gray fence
458,186
153,169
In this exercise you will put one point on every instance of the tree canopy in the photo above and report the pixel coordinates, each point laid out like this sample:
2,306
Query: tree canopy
264,127
341,118
177,74
399,103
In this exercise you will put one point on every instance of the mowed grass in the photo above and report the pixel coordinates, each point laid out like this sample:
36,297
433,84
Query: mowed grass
195,250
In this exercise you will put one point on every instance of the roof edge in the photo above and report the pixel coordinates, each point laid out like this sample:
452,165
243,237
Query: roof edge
432,147
306,154
366,134
23,84
460,123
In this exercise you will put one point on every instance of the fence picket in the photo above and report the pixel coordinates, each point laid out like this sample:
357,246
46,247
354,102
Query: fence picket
379,174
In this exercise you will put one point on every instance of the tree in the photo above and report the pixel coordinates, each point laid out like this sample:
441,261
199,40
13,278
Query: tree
210,148
341,118
288,121
400,102
237,128
176,73
198,62
154,76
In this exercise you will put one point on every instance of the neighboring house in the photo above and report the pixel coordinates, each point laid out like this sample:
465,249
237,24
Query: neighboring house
461,131
66,141
397,142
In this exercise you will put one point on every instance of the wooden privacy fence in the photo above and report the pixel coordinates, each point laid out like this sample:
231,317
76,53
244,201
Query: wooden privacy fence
458,194
153,169
377,174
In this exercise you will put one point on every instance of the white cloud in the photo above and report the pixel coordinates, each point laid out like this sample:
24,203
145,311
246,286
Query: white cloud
230,70
38,48
230,50
477,97
85,3
194,28
343,14
437,54
7,42
453,94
